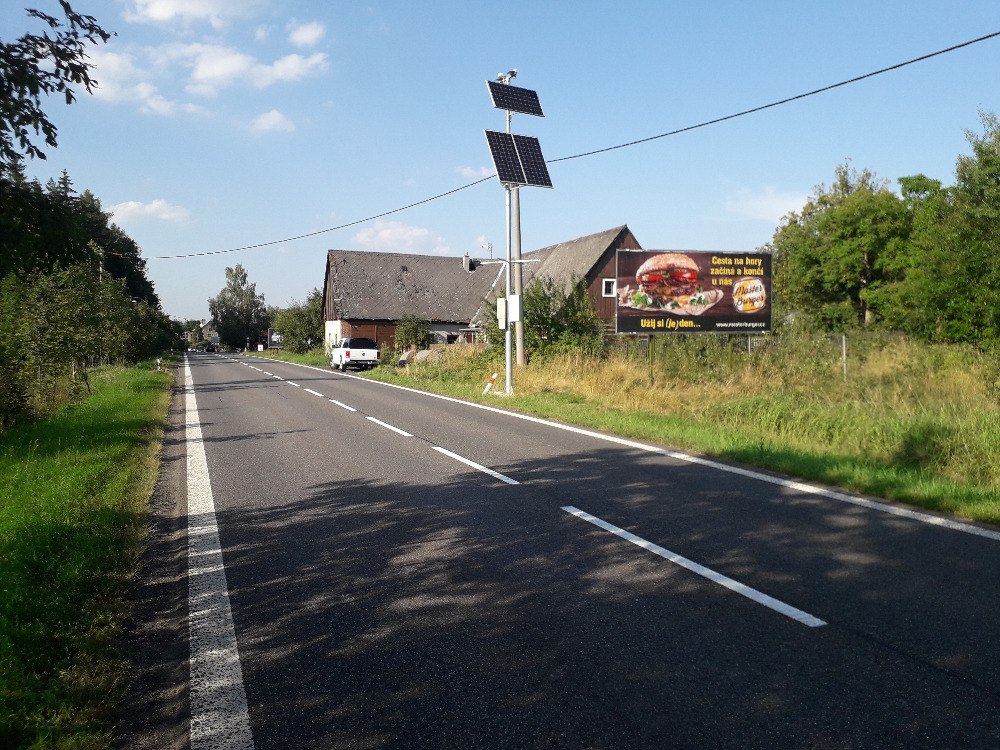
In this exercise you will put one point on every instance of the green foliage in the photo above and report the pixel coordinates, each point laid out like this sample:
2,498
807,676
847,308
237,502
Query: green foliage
411,330
555,318
238,311
301,323
831,256
55,326
44,229
42,64
923,263
959,255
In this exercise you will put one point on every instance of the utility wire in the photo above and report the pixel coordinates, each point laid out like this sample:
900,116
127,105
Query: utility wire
322,231
597,151
783,101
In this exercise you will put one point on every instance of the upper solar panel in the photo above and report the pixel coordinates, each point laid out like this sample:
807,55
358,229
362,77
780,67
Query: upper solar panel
515,99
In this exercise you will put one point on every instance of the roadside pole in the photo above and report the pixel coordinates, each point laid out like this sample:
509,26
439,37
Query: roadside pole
522,358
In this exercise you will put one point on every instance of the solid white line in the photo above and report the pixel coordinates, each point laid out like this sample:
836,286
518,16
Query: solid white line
474,465
309,390
219,714
389,426
786,609
342,406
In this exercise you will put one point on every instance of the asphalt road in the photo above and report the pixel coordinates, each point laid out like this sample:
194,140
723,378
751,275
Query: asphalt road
406,571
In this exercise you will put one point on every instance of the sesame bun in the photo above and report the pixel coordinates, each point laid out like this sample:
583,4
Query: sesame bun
666,262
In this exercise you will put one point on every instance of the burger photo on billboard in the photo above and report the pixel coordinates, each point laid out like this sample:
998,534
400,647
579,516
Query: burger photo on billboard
668,280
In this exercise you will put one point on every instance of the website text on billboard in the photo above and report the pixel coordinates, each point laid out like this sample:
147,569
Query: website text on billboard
664,291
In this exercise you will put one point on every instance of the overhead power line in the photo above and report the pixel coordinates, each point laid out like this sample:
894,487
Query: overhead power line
596,151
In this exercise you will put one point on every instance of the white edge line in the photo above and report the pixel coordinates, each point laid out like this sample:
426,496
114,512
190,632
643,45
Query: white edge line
389,426
792,484
743,590
220,716
476,466
342,406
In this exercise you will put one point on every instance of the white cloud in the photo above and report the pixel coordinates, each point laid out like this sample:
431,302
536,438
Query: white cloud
395,237
159,209
119,78
769,205
273,121
289,68
305,34
214,66
215,12
475,174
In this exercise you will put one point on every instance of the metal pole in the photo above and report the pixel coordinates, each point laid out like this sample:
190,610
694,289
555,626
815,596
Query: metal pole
843,350
522,355
508,369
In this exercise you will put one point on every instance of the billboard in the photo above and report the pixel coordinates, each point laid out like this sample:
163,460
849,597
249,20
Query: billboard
665,291
274,339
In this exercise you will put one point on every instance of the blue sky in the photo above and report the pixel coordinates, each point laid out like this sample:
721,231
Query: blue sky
225,123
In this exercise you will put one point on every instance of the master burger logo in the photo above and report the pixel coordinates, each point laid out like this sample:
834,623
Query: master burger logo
749,295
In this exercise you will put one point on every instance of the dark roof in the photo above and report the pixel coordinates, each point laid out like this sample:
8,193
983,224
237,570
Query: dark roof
572,259
387,286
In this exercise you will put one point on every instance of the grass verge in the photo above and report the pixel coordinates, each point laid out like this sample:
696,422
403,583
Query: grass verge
73,518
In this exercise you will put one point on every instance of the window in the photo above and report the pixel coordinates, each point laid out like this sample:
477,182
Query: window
610,287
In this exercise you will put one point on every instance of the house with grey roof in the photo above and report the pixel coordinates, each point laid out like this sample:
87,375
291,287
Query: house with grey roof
367,293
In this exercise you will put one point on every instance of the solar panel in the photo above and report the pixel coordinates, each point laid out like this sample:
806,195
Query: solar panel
518,159
515,99
505,159
532,161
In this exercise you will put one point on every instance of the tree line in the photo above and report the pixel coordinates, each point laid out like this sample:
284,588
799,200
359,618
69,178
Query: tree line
73,294
925,261
73,287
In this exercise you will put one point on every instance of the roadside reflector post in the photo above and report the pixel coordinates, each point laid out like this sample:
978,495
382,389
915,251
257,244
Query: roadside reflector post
490,384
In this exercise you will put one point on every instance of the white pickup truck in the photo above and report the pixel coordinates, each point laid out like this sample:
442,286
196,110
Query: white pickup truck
354,352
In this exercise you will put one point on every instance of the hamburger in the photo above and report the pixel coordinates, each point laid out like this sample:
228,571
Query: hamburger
668,280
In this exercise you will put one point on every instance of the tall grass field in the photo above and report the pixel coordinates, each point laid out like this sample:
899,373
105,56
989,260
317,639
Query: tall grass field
73,517
897,419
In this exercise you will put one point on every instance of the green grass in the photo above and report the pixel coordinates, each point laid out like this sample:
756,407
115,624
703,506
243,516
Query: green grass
315,357
913,423
73,517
